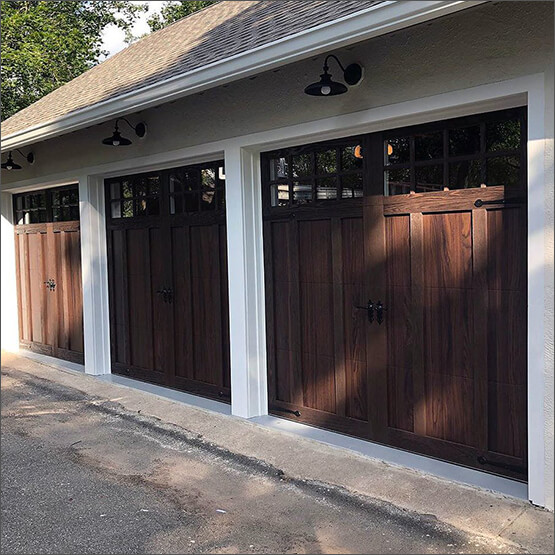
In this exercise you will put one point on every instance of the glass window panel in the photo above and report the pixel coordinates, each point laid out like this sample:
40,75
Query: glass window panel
140,187
140,207
208,178
503,170
56,214
397,150
116,209
465,140
351,185
127,209
190,202
19,203
65,214
74,213
41,216
115,191
127,189
152,206
351,157
397,182
278,169
302,193
220,199
428,146
74,196
176,204
208,200
429,178
153,186
326,188
465,175
326,162
302,165
191,180
279,194
176,185
503,135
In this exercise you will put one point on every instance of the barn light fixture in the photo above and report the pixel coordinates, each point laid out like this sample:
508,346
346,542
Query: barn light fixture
117,140
9,164
352,74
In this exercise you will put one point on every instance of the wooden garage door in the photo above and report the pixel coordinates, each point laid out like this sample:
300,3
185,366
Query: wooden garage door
168,278
436,363
48,263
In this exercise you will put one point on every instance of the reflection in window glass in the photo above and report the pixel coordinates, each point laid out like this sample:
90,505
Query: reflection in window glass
397,151
351,186
503,170
351,158
280,194
208,178
503,135
326,162
428,146
302,165
127,189
465,175
302,193
465,140
278,169
326,188
397,182
429,178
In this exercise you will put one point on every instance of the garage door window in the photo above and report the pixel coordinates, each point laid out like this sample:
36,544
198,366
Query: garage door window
49,205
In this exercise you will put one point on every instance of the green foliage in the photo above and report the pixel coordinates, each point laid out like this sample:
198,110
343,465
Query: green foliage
172,11
48,43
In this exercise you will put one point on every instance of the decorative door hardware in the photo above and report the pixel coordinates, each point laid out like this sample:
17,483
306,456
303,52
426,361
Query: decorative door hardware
369,310
50,284
511,467
379,312
478,203
167,294
288,411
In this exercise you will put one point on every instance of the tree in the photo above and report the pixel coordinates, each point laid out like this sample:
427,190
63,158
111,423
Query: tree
172,11
46,44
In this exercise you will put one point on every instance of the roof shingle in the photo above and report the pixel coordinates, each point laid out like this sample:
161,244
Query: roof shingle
218,32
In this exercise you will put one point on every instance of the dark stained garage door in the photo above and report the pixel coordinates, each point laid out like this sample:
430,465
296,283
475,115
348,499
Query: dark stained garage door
396,288
168,278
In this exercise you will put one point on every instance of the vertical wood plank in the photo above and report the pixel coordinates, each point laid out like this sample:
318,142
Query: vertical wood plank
270,310
417,317
338,317
295,360
480,320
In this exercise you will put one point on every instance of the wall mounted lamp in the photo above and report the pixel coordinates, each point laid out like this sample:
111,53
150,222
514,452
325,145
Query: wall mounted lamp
9,164
352,74
118,140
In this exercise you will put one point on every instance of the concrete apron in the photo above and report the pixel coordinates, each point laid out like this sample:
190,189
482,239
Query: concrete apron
471,510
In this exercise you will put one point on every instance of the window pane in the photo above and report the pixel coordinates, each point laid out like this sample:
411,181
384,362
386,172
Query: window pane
326,162
504,170
127,189
464,175
503,135
140,207
116,209
153,185
429,178
74,213
397,151
152,206
302,193
302,165
190,201
220,199
176,204
428,146
326,188
351,157
42,216
351,186
127,209
19,203
115,192
278,169
280,194
397,182
208,178
175,183
140,187
207,200
464,141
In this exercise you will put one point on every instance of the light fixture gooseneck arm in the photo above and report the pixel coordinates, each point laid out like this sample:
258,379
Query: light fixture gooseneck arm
126,121
326,66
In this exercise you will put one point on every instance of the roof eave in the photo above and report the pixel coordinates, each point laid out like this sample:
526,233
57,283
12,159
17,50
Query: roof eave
374,21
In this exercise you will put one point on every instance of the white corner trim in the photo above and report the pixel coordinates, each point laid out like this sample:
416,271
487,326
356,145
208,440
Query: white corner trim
374,21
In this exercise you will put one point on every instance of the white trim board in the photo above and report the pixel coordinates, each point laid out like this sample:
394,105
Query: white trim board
376,20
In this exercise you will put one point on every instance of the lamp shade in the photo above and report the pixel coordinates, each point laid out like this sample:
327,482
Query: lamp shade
116,140
325,87
9,164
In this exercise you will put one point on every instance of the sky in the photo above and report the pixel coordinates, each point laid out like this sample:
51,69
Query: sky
112,37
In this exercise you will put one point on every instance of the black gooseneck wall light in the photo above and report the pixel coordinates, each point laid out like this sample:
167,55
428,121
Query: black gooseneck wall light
9,164
352,74
118,140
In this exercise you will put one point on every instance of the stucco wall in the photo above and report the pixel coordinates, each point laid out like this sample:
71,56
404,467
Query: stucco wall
488,43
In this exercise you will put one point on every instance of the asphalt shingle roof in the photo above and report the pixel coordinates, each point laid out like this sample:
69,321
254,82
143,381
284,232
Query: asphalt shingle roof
222,30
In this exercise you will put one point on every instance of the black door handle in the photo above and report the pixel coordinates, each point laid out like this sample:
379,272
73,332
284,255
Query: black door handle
379,312
369,309
478,203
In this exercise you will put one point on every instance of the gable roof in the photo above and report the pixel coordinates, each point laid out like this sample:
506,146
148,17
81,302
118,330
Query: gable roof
211,35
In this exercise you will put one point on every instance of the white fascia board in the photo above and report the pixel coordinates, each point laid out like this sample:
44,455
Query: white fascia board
374,21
